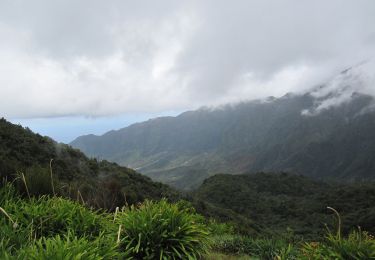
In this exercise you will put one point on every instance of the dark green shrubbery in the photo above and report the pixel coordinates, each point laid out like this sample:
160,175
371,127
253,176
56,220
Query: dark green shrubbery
358,245
56,228
259,247
46,216
39,161
159,230
219,228
278,201
70,247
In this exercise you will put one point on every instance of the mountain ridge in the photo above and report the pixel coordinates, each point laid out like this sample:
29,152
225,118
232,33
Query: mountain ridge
306,133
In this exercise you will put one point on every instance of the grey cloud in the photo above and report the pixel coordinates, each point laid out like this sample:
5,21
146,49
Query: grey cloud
359,79
100,58
68,27
264,37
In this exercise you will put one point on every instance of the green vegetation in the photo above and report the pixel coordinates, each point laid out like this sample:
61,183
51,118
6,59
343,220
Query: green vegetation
73,207
162,231
280,204
257,247
358,245
39,161
338,143
68,247
53,227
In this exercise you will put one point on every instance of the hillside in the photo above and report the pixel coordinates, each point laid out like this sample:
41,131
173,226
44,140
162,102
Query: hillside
101,184
324,133
280,201
98,183
260,204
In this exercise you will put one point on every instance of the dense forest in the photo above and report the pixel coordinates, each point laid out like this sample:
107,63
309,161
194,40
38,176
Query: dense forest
278,202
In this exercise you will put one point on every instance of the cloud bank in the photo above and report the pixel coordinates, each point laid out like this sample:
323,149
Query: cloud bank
359,79
100,58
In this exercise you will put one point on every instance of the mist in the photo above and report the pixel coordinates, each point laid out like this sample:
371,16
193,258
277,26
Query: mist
358,79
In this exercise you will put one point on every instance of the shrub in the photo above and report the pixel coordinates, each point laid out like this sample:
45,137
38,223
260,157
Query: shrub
37,179
258,247
7,193
163,231
220,229
70,247
358,245
46,216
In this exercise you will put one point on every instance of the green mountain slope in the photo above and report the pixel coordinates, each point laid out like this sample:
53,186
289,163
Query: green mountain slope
98,183
280,201
101,184
253,136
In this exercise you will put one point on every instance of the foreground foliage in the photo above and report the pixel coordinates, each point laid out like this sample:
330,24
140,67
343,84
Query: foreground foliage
358,245
69,247
162,231
57,228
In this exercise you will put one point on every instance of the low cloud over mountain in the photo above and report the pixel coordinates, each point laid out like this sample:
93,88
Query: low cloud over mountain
127,56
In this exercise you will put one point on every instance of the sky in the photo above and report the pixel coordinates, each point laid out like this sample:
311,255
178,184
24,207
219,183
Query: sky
71,67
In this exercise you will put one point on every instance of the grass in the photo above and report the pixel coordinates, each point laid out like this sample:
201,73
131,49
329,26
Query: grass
357,245
56,228
262,248
50,227
69,246
219,256
159,230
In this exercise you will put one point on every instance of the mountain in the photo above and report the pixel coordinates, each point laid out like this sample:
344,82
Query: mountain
327,132
25,157
278,201
102,184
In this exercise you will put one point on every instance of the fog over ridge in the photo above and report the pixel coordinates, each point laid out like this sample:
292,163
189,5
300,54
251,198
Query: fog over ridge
358,79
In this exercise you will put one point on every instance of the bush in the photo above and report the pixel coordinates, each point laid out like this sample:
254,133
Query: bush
46,216
69,247
38,181
357,246
257,247
163,231
220,229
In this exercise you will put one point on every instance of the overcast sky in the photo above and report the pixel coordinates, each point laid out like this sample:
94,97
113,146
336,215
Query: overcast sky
113,59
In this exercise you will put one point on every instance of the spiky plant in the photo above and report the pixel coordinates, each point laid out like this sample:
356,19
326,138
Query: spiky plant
70,247
358,245
160,230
